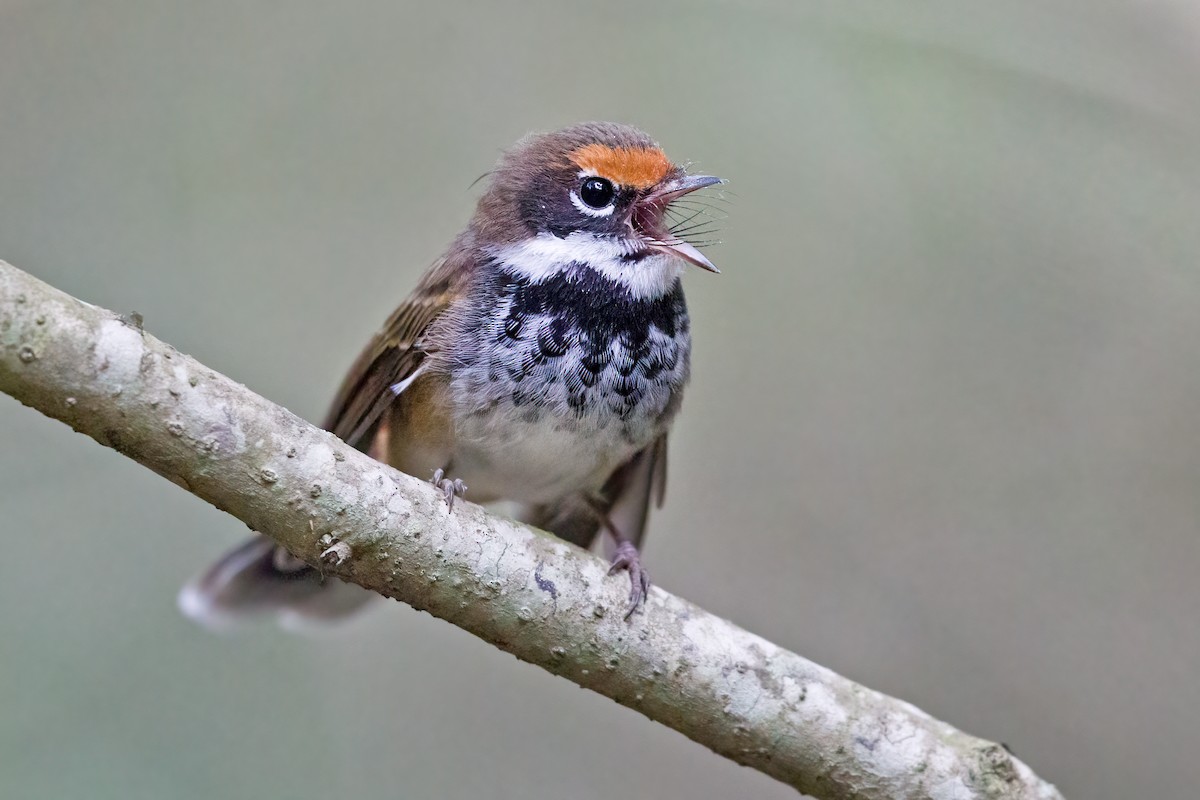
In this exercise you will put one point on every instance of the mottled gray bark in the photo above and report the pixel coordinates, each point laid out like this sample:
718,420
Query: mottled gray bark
522,590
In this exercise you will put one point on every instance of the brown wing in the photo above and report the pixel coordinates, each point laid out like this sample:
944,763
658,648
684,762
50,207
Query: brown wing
624,501
632,487
393,354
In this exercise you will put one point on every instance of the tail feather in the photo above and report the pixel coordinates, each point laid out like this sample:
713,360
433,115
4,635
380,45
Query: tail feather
259,578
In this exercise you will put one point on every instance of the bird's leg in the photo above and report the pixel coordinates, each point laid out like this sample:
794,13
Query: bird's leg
451,487
628,558
625,558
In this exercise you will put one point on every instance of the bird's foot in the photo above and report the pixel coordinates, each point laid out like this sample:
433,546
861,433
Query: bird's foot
451,487
627,558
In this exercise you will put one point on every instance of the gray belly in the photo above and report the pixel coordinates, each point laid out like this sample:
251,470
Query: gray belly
544,411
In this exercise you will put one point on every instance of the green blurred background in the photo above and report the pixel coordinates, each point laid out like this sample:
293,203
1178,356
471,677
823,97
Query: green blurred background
943,434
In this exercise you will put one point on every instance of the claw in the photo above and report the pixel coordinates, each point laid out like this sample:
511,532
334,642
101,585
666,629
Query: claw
627,558
451,487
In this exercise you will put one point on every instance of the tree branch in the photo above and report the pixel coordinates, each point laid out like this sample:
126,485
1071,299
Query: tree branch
526,592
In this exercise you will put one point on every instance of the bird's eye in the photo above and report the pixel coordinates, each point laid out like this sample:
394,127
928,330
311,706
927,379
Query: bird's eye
596,192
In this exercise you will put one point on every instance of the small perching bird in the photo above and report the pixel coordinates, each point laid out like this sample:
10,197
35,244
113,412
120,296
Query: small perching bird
540,361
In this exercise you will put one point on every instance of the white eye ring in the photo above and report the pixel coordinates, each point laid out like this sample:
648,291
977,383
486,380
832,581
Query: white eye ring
592,212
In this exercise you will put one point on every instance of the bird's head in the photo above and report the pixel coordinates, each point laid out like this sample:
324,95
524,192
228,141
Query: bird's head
597,194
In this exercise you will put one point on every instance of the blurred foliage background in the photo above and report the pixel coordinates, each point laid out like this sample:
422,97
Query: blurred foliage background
943,434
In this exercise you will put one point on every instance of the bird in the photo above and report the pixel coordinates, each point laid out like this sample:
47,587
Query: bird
540,361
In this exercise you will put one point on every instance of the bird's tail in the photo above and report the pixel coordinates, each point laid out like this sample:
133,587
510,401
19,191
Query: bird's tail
260,578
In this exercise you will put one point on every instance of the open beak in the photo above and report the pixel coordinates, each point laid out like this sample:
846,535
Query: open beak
656,203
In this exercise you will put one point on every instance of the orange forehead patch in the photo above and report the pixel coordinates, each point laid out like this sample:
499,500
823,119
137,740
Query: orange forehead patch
641,167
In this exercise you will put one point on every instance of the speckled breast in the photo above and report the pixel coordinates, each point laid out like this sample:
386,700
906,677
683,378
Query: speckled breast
569,375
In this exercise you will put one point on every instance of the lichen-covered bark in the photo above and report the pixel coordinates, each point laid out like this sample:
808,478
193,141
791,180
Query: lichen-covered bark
522,590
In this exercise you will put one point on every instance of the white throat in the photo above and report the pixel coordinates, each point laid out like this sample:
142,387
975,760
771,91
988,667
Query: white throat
546,255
